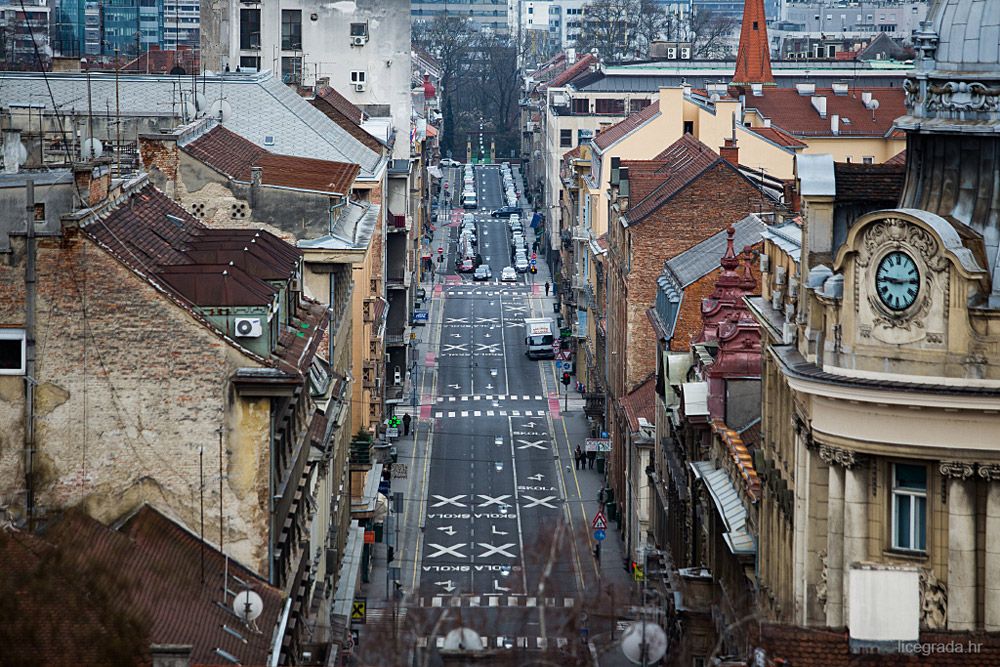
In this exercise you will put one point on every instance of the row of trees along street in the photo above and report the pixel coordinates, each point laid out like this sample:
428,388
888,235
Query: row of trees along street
479,68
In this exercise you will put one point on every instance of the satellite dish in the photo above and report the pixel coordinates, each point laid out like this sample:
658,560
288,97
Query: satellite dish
873,105
248,605
463,639
200,102
91,149
189,110
644,643
221,110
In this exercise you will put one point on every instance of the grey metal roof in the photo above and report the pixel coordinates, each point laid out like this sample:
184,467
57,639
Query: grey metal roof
352,231
968,36
262,107
700,260
728,504
816,175
788,237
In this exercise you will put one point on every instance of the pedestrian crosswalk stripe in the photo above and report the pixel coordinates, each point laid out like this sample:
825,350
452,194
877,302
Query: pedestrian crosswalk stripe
465,413
451,414
465,398
515,413
496,600
476,413
489,413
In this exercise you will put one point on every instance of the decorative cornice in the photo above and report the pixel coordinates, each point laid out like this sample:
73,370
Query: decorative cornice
842,457
956,469
989,471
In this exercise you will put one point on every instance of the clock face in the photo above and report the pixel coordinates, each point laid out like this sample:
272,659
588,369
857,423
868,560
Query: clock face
897,280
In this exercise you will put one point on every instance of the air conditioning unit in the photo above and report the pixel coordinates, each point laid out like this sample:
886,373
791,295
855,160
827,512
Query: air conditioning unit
248,327
359,40
671,53
397,378
359,87
779,276
685,53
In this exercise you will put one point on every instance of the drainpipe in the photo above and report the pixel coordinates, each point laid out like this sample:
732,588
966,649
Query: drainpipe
29,358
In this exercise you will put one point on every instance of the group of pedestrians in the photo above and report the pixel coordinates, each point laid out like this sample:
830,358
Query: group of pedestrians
586,460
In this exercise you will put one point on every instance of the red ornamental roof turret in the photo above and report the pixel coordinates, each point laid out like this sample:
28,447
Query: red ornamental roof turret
753,60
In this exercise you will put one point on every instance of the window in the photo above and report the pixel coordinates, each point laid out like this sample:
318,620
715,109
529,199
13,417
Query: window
565,138
610,106
581,105
755,26
868,159
689,127
359,76
12,351
291,29
637,105
359,29
849,159
291,69
250,62
249,28
909,507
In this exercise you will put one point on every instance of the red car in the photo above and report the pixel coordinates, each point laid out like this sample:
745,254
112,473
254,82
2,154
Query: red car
467,266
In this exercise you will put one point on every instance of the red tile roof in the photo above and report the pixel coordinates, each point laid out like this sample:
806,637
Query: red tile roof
157,61
623,128
574,152
234,156
153,235
753,60
121,590
898,158
669,172
810,647
573,71
870,183
641,402
777,136
548,69
341,104
794,113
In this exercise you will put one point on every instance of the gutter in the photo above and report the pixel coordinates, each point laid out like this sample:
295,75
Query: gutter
273,658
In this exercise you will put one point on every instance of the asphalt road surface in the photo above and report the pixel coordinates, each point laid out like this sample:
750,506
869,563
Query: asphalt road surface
497,553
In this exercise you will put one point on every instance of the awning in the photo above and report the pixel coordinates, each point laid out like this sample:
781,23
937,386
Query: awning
728,505
695,398
363,507
347,582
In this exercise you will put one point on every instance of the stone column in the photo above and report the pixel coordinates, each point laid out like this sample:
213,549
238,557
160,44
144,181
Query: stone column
834,544
855,520
961,545
991,473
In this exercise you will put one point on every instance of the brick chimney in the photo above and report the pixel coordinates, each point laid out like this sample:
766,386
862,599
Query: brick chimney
730,152
93,181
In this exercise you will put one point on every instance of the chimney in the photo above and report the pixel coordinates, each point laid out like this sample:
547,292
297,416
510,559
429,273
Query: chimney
623,187
93,181
791,195
11,151
730,152
819,103
570,56
256,178
835,124
170,655
321,83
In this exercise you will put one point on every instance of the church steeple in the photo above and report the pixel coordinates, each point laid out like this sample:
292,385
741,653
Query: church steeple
753,61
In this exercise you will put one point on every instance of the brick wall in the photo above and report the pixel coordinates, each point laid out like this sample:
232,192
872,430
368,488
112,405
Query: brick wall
709,204
130,387
689,324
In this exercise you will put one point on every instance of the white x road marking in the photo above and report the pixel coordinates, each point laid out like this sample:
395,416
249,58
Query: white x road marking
517,309
486,320
539,501
501,550
536,444
460,347
487,347
490,500
449,501
441,551
457,320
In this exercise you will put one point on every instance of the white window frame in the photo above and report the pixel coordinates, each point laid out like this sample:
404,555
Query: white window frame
912,495
359,76
867,159
16,334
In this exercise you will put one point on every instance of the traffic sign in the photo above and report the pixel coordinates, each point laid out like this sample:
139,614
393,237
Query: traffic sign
534,262
599,535
440,250
392,432
600,521
534,255
359,610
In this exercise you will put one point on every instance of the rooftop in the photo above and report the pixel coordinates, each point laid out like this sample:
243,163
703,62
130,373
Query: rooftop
869,183
258,106
623,128
234,156
796,113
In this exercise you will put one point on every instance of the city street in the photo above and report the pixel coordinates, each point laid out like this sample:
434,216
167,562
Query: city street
497,533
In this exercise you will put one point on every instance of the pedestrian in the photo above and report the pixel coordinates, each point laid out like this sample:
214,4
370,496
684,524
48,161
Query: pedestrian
546,288
591,457
578,456
406,424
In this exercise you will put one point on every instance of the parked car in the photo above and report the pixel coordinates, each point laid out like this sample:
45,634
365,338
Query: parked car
516,227
467,265
483,272
448,162
506,211
508,275
521,264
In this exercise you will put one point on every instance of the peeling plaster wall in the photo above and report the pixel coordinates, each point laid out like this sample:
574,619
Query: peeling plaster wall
130,387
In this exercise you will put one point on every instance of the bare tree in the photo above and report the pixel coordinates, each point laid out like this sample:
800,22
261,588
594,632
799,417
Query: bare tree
710,34
609,27
652,21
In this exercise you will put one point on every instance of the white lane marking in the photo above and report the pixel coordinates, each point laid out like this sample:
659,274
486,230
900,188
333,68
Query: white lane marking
491,500
477,413
442,501
532,444
465,413
501,550
545,502
451,414
442,551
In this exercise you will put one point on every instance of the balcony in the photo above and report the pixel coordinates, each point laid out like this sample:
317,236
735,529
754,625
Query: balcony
397,223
